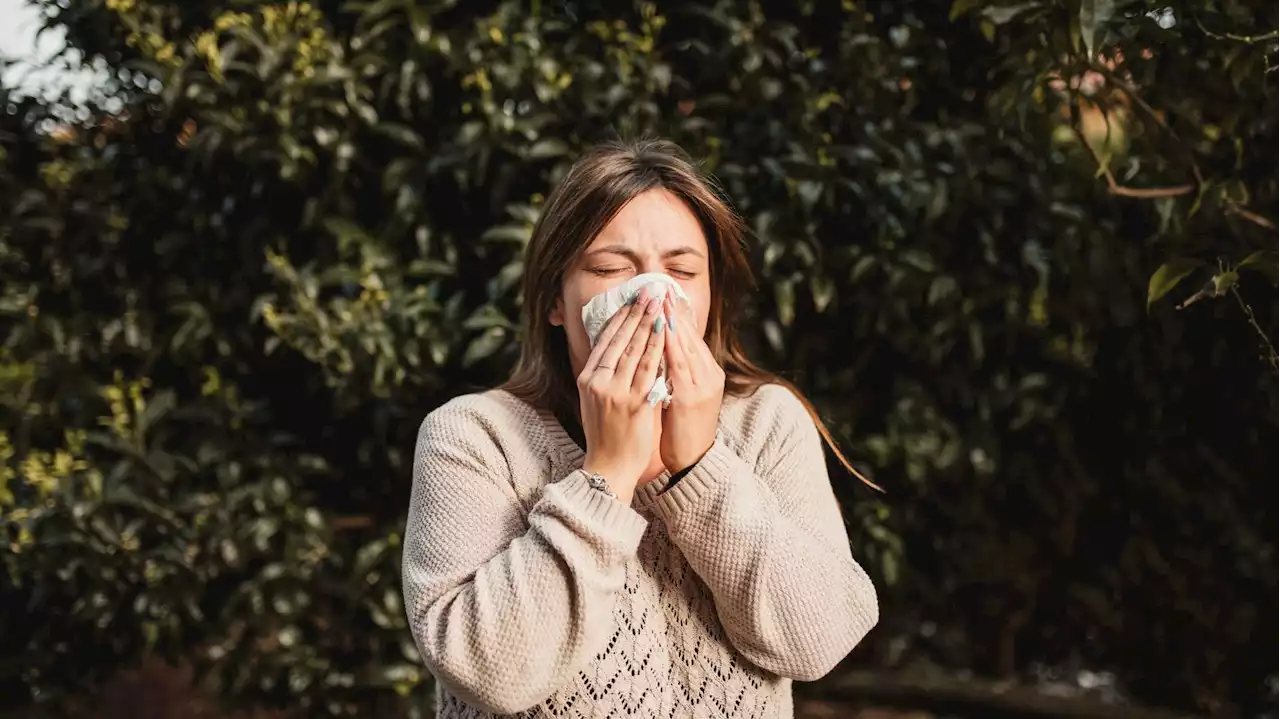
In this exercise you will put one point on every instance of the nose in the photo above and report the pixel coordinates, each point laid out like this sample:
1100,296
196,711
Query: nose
651,263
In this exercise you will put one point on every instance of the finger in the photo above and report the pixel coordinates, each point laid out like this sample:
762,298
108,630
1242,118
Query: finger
618,343
630,359
606,336
647,368
677,363
697,353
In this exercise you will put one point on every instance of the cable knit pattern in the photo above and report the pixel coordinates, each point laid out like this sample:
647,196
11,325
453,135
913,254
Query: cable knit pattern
532,595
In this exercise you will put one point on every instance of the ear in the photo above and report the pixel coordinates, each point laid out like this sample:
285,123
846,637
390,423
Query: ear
556,316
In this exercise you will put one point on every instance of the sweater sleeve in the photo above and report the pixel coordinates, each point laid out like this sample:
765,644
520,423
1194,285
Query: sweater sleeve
505,605
769,541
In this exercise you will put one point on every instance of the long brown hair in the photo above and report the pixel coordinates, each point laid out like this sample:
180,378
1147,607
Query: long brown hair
595,189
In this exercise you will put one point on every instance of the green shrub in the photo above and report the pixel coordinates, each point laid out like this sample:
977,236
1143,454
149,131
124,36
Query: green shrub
228,305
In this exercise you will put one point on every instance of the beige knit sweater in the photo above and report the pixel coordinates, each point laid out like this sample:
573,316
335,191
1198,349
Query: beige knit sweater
529,593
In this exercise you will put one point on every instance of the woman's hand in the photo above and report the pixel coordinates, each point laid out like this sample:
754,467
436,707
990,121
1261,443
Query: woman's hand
617,419
697,389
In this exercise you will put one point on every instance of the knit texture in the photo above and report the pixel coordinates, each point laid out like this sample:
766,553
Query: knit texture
531,594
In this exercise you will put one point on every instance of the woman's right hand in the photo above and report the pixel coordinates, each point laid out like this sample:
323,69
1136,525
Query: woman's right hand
617,419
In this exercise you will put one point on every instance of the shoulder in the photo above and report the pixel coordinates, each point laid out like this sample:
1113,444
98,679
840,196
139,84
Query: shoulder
478,423
768,417
493,408
769,405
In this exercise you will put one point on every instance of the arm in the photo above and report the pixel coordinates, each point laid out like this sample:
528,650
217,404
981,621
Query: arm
504,607
770,543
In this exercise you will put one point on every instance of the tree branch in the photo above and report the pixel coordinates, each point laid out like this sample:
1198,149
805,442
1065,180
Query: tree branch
1177,190
1253,217
1266,341
1248,39
1114,187
1136,98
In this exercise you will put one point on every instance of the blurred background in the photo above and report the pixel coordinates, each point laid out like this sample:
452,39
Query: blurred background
1021,254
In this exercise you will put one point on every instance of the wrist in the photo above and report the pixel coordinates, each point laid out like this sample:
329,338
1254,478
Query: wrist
683,465
620,481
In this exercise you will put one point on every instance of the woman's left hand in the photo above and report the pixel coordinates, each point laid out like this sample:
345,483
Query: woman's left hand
697,389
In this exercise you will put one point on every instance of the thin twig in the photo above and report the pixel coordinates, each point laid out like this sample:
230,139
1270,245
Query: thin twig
1149,192
1253,217
1250,39
1266,341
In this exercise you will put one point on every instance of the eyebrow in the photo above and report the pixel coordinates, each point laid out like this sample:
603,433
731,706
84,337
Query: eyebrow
631,254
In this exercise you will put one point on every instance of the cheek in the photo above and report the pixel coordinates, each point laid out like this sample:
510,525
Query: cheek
573,298
700,306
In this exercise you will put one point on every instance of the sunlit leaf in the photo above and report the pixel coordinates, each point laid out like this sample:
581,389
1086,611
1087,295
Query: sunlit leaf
1167,276
1264,262
483,346
1094,17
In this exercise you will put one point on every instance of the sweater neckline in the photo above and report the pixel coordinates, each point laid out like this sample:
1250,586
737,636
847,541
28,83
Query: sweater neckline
573,455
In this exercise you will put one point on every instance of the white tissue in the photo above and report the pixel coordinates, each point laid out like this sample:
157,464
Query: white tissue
602,307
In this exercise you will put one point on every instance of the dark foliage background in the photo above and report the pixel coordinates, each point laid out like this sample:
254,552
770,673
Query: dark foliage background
278,234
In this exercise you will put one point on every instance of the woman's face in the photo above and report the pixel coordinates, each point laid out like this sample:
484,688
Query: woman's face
655,232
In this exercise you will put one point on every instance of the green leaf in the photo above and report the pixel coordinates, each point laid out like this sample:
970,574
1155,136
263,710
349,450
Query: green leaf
506,278
548,147
1002,15
400,133
1224,282
824,290
484,346
486,317
960,7
784,293
1167,277
1264,262
519,234
428,267
1094,16
346,231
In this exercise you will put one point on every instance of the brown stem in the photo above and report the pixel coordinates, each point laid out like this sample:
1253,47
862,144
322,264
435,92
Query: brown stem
1149,192
1249,39
1136,98
1116,188
353,522
1266,341
1250,216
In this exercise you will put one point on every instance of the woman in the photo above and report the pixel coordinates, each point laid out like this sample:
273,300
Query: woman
572,550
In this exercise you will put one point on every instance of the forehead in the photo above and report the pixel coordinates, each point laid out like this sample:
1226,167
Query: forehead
655,219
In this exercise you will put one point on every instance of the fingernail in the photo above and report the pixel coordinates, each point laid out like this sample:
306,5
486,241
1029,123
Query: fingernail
659,324
671,322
